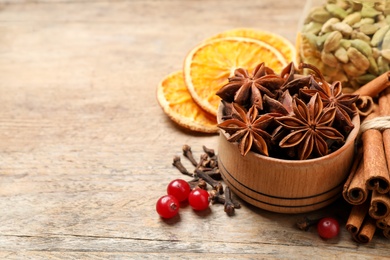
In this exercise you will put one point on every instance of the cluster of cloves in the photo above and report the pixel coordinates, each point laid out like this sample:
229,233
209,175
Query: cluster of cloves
206,173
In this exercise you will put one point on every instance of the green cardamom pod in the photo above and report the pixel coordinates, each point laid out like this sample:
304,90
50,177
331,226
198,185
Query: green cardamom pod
341,55
386,41
369,11
320,15
332,42
358,59
378,36
368,29
373,69
344,28
352,18
363,79
362,46
336,10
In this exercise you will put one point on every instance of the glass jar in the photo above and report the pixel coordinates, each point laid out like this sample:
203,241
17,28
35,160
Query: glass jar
348,40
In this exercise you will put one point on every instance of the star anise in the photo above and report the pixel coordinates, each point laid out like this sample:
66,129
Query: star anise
278,108
332,96
248,128
310,128
247,90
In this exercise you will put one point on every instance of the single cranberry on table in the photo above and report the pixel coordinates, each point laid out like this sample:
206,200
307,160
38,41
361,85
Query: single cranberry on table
328,228
179,188
167,206
199,199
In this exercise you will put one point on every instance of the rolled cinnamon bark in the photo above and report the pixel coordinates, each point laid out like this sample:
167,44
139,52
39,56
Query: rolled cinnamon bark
375,86
367,231
364,105
380,205
383,223
356,218
375,165
384,110
356,192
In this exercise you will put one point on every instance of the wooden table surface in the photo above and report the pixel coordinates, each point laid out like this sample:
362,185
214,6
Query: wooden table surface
86,150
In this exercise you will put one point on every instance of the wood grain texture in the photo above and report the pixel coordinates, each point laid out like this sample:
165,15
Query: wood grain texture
86,151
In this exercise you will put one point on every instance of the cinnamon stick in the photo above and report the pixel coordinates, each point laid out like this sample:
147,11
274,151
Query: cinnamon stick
356,192
356,218
375,86
375,165
384,110
364,105
383,223
367,231
380,205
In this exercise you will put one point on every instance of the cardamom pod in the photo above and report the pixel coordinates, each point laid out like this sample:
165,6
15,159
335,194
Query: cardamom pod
352,18
327,26
368,29
380,6
351,70
369,11
362,46
320,40
308,18
344,28
332,42
378,36
329,59
359,35
312,27
363,21
345,43
386,54
342,3
320,15
383,65
341,55
358,59
376,53
386,41
336,10
373,69
363,79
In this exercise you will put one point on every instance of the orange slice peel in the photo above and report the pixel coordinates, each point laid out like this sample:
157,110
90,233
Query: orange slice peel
177,103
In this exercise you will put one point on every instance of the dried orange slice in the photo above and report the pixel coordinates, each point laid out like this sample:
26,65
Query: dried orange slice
209,65
284,46
177,103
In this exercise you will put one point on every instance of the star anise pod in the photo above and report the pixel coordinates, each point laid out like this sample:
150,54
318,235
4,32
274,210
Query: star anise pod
310,128
332,96
248,128
277,108
247,89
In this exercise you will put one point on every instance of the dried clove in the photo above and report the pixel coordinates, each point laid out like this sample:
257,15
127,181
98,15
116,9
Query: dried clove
198,183
305,223
214,173
210,152
206,173
216,185
228,206
177,163
188,154
217,198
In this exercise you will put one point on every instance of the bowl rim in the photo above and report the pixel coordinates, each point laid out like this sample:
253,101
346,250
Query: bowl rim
350,140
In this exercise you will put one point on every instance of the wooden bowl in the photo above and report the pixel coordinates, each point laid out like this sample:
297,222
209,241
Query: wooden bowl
285,186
